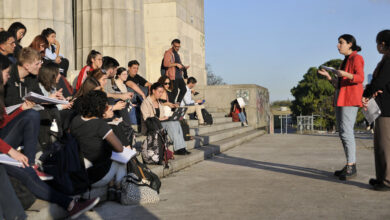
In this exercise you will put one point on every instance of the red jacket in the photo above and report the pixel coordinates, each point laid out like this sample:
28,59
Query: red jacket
351,90
82,76
4,147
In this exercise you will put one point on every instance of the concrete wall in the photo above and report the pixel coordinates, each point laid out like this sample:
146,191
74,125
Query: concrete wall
37,15
256,99
166,20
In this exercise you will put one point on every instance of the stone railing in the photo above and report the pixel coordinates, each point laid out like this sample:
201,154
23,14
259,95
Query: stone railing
256,98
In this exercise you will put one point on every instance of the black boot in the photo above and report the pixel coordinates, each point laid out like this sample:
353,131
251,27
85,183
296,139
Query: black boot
348,173
338,172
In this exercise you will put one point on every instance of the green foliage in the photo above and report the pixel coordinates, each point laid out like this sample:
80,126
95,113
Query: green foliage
277,104
314,95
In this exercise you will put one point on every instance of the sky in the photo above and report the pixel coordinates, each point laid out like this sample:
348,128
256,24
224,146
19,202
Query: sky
272,43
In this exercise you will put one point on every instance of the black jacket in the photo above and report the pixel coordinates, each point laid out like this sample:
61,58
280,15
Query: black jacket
381,82
15,90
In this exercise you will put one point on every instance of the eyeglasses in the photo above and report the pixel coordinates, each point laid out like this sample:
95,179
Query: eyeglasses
166,83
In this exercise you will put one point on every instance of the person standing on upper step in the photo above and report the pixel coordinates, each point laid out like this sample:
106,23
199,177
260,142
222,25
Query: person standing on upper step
379,89
175,70
347,100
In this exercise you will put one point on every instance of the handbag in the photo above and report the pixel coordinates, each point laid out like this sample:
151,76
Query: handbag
135,191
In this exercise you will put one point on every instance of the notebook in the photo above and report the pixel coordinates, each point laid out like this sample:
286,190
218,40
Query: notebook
124,156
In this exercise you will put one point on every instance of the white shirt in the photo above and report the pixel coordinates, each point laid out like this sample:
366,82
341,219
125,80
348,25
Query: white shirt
187,99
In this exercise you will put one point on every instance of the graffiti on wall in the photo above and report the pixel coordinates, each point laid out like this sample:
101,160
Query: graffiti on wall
262,106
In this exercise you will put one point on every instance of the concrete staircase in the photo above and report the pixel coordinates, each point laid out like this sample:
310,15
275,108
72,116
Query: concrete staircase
208,141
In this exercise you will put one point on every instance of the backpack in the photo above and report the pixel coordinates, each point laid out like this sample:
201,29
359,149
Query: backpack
163,69
207,117
24,195
149,178
64,162
186,130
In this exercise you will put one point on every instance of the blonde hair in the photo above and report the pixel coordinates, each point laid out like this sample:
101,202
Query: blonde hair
28,55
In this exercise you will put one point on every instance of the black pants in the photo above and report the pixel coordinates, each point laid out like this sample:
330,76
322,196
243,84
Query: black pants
179,86
64,66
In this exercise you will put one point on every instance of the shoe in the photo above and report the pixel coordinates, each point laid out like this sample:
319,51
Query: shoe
182,151
187,152
111,194
81,207
43,176
374,182
118,194
381,187
338,172
348,173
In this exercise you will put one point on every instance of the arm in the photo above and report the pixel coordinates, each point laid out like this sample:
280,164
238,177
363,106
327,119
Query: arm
146,110
380,82
358,71
135,87
167,60
113,140
187,99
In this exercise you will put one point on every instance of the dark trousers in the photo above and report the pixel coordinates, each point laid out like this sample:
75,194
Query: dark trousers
23,130
179,86
10,206
64,66
382,149
41,190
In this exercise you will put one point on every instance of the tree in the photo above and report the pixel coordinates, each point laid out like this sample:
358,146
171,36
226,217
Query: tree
213,79
314,95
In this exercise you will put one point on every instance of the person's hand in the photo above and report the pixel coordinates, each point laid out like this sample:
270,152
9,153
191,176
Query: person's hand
187,67
199,101
377,93
143,96
171,105
178,65
109,113
19,157
57,43
164,118
67,106
324,73
57,95
365,103
57,60
119,105
27,105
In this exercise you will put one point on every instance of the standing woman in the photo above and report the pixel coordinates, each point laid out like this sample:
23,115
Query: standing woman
348,99
379,88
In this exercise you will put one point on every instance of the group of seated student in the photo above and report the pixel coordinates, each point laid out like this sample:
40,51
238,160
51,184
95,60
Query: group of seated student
105,92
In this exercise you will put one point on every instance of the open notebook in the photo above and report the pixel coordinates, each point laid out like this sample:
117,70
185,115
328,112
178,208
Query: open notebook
5,159
124,156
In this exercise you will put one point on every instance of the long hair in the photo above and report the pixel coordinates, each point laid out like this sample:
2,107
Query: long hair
4,64
162,79
89,84
92,55
351,39
47,75
15,27
36,43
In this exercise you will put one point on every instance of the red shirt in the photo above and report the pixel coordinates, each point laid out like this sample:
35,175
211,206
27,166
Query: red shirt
82,76
351,90
4,147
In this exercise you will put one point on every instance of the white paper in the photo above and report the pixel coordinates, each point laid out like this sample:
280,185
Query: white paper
12,108
40,99
5,159
124,156
116,121
331,69
373,111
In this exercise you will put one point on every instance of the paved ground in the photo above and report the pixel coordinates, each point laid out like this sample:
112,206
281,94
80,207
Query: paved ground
271,177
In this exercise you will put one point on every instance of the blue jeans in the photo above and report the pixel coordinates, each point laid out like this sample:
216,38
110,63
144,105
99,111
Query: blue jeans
242,117
346,117
23,131
175,133
10,206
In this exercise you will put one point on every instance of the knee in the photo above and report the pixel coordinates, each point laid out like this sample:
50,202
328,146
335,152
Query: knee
31,115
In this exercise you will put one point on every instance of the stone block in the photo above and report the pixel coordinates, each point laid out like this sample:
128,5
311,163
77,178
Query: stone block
59,8
107,27
46,9
29,9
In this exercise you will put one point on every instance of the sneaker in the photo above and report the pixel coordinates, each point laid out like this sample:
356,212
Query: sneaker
381,187
338,172
43,176
118,194
348,173
81,207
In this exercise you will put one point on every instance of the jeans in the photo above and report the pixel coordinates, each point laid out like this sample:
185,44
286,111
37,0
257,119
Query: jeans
41,190
242,117
346,117
117,170
23,131
10,206
175,133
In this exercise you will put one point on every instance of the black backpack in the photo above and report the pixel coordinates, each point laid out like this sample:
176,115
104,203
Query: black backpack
65,163
24,195
143,172
186,130
207,117
163,69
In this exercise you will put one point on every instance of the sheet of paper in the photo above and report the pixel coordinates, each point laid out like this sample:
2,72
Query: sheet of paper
373,111
5,159
40,99
124,156
12,108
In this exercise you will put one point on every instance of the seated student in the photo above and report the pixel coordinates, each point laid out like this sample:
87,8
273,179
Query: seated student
97,141
151,107
238,108
40,44
119,86
192,106
23,77
53,52
18,30
136,82
7,45
21,127
94,61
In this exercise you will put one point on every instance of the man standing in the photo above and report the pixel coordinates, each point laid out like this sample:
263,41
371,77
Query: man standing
192,106
7,45
175,70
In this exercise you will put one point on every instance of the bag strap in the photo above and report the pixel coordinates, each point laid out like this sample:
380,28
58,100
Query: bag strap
142,172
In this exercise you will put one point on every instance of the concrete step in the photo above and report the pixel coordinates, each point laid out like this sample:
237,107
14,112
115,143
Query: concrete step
202,153
207,138
215,127
218,114
218,120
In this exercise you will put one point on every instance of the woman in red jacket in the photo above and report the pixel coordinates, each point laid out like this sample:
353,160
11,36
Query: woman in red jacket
348,99
94,61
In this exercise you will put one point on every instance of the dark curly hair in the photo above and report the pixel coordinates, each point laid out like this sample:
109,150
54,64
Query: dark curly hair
93,104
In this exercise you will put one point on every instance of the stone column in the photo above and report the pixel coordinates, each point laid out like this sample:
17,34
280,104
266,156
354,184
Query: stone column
37,15
112,27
